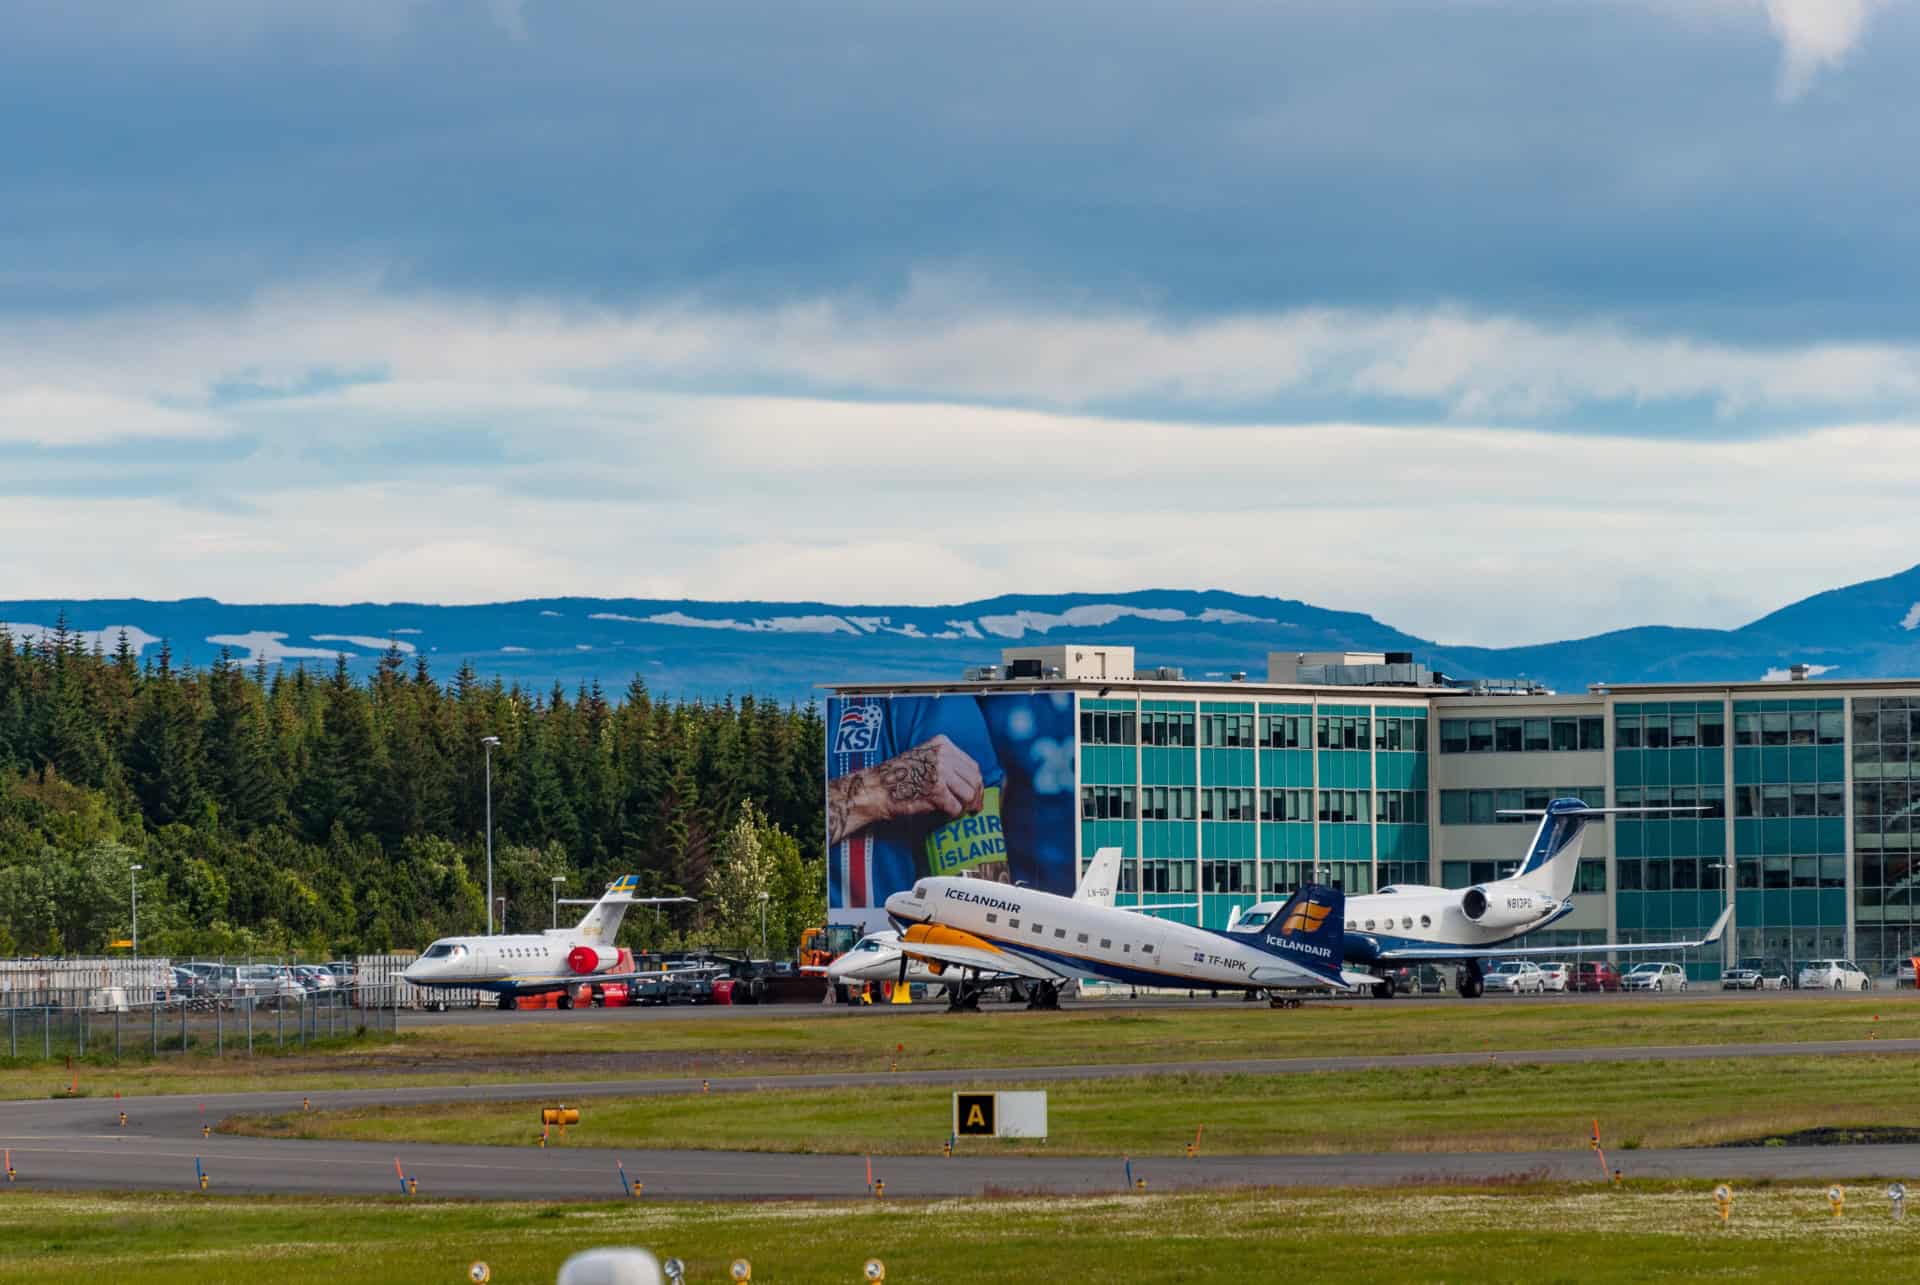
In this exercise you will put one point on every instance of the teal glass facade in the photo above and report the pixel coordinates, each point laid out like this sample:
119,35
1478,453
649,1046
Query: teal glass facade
1886,796
1670,870
1226,802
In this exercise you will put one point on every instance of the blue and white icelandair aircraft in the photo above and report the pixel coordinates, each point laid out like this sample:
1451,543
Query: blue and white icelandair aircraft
1416,924
559,959
982,928
877,956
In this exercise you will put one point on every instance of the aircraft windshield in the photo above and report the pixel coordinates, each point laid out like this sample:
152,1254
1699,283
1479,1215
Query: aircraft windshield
444,950
867,943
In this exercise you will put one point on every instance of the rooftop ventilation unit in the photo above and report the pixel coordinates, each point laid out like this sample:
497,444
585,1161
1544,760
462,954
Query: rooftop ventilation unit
982,673
1167,673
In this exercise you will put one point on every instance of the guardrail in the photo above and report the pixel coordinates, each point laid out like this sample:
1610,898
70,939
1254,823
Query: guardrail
49,1032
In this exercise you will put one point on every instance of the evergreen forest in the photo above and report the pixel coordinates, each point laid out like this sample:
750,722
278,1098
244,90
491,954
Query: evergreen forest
281,810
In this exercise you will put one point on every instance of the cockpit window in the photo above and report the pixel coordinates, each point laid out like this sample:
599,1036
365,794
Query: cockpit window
920,892
439,950
867,943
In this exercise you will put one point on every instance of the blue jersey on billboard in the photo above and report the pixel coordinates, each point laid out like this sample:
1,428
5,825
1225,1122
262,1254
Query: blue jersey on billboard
948,785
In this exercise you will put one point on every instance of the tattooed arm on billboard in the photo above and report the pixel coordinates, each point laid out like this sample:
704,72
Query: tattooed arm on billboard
935,777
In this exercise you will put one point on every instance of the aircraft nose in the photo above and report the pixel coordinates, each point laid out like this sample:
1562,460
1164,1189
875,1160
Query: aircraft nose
905,906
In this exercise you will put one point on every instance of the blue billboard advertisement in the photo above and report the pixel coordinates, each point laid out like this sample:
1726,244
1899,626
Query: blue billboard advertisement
947,785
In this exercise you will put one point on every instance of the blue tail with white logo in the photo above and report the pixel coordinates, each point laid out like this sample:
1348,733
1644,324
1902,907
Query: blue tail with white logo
1310,931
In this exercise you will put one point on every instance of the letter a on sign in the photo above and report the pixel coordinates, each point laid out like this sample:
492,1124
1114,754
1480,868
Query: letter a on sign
973,1115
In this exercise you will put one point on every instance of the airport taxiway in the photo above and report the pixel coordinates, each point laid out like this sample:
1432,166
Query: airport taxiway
78,1143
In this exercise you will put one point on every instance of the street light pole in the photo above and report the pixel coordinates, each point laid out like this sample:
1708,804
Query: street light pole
763,925
133,886
487,745
557,880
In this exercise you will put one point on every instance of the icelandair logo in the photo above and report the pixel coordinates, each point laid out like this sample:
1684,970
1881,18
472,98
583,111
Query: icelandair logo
1306,918
1303,919
993,903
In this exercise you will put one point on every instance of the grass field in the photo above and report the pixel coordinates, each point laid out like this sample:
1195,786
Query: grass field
1535,1233
582,1046
1497,1107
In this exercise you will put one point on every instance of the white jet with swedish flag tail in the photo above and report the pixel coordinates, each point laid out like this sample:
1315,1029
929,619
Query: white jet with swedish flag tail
559,959
979,927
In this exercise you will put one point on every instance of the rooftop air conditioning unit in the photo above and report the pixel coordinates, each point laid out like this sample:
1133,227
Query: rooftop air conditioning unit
982,673
1029,668
1167,673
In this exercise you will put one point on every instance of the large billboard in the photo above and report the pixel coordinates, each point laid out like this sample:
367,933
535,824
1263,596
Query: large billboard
947,785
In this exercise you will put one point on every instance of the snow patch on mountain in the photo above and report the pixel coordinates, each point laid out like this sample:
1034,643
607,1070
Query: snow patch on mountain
271,647
1912,619
1092,615
961,629
364,640
105,640
1228,616
773,625
1778,675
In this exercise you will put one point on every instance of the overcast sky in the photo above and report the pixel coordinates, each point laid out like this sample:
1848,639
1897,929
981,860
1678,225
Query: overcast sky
1504,320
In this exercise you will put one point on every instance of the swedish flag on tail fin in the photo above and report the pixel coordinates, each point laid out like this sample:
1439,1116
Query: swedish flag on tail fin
602,923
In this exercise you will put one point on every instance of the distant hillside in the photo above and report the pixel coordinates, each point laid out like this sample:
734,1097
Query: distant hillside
708,649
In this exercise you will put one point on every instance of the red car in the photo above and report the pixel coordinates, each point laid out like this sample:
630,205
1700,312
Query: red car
1596,977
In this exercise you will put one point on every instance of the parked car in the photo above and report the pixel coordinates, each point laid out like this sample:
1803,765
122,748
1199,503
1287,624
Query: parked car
314,977
1774,975
1557,978
188,986
1596,975
1834,974
267,984
1516,977
1740,979
1655,977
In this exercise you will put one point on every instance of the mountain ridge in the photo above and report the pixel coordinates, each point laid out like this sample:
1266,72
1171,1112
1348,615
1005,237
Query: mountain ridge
706,649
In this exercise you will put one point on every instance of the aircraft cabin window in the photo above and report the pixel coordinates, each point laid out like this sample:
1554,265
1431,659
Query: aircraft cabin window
1126,948
1106,943
1146,948
919,892
1059,932
1406,923
992,917
1013,923
1039,929
1369,925
1083,939
1426,921
1352,924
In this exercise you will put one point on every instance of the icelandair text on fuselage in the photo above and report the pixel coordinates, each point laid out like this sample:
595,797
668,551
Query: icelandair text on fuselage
991,903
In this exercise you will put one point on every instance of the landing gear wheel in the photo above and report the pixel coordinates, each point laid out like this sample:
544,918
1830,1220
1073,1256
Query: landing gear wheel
506,1003
1044,995
565,1000
1276,1000
1471,984
1383,989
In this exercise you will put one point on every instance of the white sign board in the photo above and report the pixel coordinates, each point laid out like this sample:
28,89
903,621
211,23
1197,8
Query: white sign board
1000,1115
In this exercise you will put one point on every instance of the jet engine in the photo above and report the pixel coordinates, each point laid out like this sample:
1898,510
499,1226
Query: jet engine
592,959
1503,909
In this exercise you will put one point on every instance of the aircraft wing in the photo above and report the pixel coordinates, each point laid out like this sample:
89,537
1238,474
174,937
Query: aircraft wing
981,959
1446,954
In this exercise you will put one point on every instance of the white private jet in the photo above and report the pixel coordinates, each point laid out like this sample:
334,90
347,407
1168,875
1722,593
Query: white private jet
559,959
983,928
1417,924
877,956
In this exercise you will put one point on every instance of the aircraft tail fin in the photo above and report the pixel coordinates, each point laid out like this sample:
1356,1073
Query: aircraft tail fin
601,924
1310,931
1553,859
1101,880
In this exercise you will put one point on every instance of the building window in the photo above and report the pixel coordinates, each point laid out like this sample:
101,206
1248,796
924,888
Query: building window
1106,802
1282,732
1344,807
1400,807
1226,805
1106,727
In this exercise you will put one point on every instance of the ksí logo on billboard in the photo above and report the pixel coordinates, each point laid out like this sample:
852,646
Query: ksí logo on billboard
859,730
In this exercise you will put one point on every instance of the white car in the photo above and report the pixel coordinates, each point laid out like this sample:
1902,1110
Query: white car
1557,978
1834,975
1516,977
1654,977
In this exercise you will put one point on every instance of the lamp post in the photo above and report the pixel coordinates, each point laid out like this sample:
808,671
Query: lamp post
763,925
133,887
1730,945
557,880
487,745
